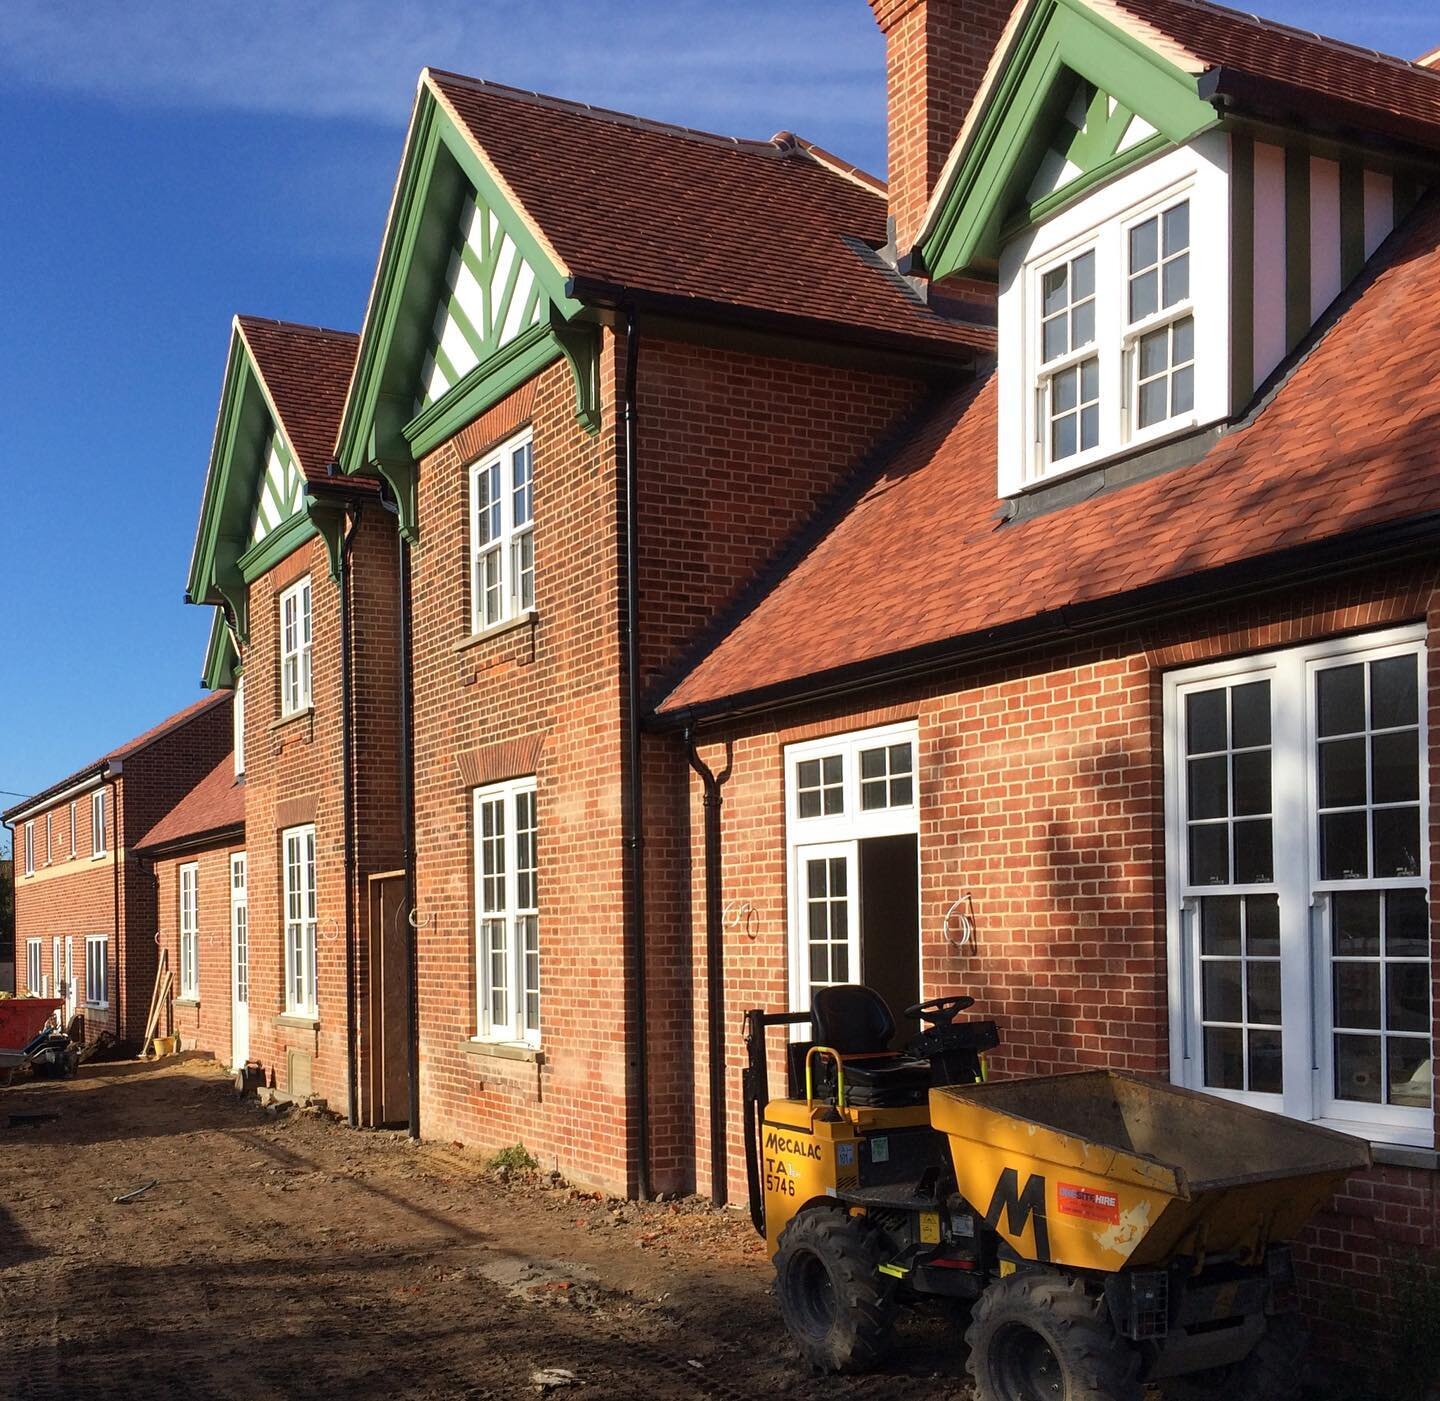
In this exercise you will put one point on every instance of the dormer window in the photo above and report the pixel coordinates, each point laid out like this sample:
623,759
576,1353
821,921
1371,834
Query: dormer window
1114,321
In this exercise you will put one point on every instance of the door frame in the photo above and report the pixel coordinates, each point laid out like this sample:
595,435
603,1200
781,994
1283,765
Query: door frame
844,829
239,900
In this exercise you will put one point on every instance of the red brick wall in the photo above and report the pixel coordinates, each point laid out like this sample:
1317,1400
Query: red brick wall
1041,794
77,897
294,776
202,1023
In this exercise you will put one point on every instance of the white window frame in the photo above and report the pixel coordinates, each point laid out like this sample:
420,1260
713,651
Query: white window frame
838,834
240,927
1101,220
98,845
511,549
35,967
74,819
296,643
97,971
189,895
1308,1038
29,844
238,722
502,910
300,909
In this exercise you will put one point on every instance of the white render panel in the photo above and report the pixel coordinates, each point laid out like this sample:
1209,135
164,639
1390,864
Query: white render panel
1269,258
1324,235
281,495
1379,209
1139,130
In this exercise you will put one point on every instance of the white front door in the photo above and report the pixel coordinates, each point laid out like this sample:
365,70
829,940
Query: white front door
239,964
69,976
825,920
62,965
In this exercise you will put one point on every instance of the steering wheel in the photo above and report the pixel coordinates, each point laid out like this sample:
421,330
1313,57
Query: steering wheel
939,1011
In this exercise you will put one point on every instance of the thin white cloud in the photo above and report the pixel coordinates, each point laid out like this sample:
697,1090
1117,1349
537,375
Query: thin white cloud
731,64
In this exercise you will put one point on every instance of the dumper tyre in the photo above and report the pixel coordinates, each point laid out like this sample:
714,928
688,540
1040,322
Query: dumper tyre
1038,1333
835,1303
1272,1372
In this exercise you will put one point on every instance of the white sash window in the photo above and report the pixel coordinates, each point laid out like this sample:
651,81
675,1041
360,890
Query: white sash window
507,913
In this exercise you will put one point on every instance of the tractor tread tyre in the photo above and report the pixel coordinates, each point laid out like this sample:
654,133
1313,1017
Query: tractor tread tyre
1272,1372
832,1297
1093,1362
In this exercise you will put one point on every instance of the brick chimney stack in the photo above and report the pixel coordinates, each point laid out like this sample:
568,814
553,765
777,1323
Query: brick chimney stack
936,53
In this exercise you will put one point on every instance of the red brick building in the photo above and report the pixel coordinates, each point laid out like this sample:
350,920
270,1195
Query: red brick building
1031,563
197,854
85,913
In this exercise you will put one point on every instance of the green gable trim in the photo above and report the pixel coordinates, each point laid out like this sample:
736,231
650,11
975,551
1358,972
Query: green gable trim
232,482
221,663
1083,184
381,433
285,539
1059,41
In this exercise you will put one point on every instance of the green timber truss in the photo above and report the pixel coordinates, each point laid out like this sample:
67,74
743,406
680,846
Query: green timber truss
255,510
988,191
469,302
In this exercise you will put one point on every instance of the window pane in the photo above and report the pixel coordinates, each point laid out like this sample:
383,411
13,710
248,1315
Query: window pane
1397,842
873,795
1144,244
1342,846
1252,782
1184,334
1357,995
1410,1072
1056,340
1205,720
1154,407
1224,1058
1083,271
1055,291
1154,353
838,879
1062,438
1396,773
1089,428
1262,926
1144,296
1220,925
833,768
1394,692
1220,990
1254,858
1356,924
815,878
1177,228
872,763
1407,924
1342,773
1357,1068
840,963
1066,387
1340,692
807,802
1182,391
902,792
1089,381
1209,856
1176,283
819,963
1266,1062
1407,997
1262,991
1207,787
1082,324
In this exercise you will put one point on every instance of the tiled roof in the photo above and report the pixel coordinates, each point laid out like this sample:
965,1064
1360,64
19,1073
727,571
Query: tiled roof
215,804
774,229
1298,60
126,750
1350,440
306,370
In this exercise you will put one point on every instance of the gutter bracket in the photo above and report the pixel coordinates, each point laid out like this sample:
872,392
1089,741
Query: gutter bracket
580,345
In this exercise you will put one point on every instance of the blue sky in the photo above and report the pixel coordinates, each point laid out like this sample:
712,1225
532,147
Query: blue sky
165,164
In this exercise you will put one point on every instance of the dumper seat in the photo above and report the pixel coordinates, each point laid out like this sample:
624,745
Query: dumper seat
856,1022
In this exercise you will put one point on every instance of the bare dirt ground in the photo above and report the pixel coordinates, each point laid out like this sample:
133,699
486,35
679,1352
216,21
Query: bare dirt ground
291,1256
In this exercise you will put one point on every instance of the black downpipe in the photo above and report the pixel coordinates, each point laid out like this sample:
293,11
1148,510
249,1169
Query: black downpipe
347,802
712,783
635,839
115,863
407,819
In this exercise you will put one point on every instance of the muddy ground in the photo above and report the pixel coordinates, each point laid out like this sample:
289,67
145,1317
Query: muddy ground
291,1256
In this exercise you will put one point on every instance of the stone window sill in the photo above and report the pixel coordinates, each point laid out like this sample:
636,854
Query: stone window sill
474,639
1399,1155
187,1001
503,1050
304,713
298,1021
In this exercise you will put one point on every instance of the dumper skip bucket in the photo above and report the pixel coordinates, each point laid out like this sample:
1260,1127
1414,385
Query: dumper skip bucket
1101,1170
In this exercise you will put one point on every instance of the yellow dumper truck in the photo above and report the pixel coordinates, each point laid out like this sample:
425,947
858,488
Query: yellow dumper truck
1104,1231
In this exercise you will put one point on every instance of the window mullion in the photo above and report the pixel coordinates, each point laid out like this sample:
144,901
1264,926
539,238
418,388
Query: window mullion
1291,809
